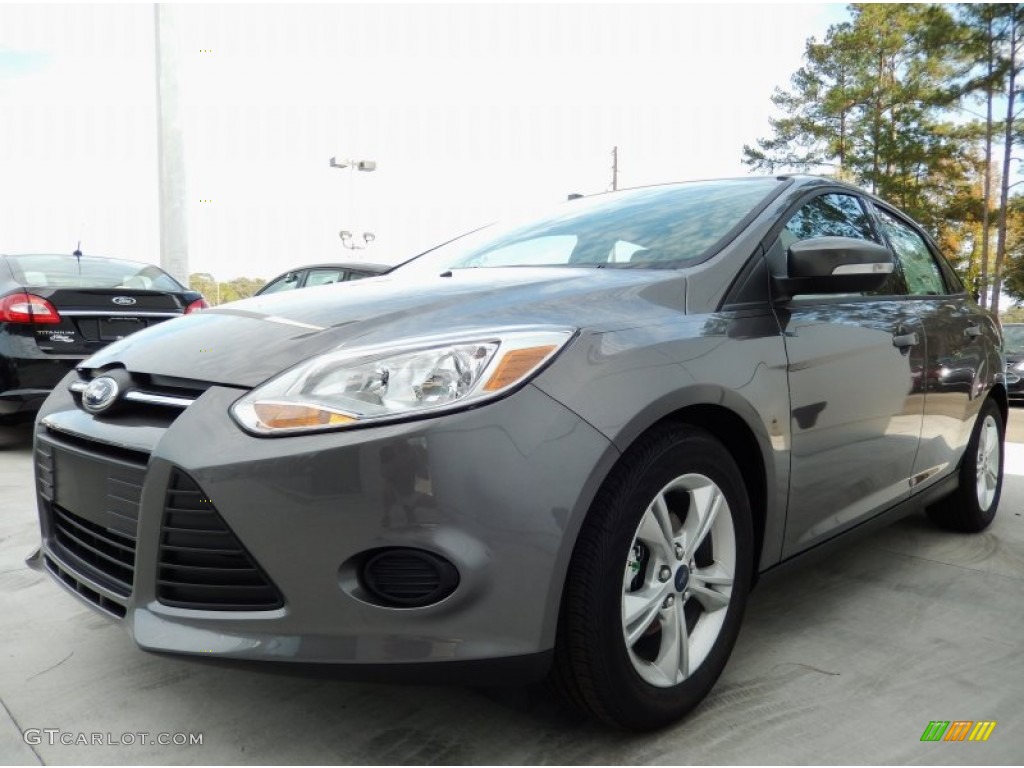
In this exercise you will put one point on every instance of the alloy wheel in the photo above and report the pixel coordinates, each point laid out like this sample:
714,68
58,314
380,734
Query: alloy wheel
988,463
678,580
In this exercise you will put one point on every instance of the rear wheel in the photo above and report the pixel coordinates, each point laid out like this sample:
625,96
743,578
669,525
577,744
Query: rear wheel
658,582
972,507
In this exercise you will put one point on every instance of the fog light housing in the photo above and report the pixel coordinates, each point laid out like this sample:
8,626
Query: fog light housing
404,577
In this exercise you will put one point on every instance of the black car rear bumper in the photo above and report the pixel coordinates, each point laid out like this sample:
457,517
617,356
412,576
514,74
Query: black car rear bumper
28,375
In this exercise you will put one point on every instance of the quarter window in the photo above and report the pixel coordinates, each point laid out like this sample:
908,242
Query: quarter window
922,273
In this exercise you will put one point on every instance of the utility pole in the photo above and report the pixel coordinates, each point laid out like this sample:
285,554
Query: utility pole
170,148
615,168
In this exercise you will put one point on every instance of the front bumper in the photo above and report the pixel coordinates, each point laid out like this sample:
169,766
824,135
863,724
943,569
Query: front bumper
499,491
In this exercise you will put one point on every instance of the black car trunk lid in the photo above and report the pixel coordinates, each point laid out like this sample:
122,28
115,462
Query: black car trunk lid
93,317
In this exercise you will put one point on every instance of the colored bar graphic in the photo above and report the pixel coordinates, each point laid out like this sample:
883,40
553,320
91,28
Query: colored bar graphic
935,730
982,730
958,730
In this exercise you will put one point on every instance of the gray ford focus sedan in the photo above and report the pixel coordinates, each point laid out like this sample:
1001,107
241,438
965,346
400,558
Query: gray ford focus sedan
564,448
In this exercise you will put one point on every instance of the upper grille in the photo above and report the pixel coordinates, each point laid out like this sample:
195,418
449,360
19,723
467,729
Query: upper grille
203,565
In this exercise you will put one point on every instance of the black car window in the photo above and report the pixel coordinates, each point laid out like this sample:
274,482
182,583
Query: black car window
923,276
324,277
60,271
838,215
1013,339
283,283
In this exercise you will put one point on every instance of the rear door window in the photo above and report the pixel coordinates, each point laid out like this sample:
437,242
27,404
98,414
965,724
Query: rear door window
324,277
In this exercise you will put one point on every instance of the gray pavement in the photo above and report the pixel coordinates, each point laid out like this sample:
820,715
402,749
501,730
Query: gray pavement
843,661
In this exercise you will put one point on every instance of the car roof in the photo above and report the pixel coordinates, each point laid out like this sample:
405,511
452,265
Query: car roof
364,266
84,256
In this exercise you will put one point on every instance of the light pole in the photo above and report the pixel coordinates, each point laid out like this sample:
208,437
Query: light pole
354,165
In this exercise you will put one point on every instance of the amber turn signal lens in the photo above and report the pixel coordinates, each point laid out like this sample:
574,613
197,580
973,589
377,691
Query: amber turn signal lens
515,365
285,416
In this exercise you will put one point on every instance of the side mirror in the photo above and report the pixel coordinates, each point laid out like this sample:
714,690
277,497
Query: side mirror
834,265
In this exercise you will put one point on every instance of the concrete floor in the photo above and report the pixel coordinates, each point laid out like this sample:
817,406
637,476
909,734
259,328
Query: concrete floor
845,661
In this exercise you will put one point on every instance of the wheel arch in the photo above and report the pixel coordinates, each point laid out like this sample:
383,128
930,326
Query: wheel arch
741,442
735,423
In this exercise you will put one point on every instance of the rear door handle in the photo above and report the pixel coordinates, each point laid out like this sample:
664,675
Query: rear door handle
972,331
905,340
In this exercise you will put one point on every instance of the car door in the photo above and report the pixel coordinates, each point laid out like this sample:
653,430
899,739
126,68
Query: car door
961,340
855,364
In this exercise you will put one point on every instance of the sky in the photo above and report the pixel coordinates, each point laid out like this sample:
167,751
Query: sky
472,112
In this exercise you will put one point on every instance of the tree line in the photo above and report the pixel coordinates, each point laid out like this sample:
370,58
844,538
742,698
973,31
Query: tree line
921,105
221,292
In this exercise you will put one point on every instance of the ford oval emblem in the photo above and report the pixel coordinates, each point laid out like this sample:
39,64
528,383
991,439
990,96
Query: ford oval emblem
124,301
100,394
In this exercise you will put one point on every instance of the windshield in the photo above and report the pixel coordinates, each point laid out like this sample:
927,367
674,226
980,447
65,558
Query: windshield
59,271
656,227
1013,339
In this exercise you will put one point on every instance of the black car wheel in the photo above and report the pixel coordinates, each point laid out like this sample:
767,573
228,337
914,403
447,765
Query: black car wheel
972,507
658,582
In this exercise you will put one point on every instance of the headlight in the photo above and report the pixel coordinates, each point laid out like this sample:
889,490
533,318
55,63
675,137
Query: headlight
371,385
1019,366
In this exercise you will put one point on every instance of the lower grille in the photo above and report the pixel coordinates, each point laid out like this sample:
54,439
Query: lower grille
105,555
90,594
203,565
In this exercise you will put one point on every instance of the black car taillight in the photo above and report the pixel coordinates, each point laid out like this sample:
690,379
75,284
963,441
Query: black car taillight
196,305
24,307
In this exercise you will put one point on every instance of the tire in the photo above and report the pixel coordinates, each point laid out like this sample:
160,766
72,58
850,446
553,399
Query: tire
631,588
972,506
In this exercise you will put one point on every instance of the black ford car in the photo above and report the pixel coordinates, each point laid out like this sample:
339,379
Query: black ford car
57,309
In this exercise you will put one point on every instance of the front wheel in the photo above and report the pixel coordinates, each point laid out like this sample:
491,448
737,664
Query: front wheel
658,582
972,506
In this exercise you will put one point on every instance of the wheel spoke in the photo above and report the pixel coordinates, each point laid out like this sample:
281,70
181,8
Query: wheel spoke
684,641
640,609
709,598
674,644
711,586
656,527
706,503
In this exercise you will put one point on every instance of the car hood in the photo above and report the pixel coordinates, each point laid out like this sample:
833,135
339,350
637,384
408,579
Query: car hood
246,342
